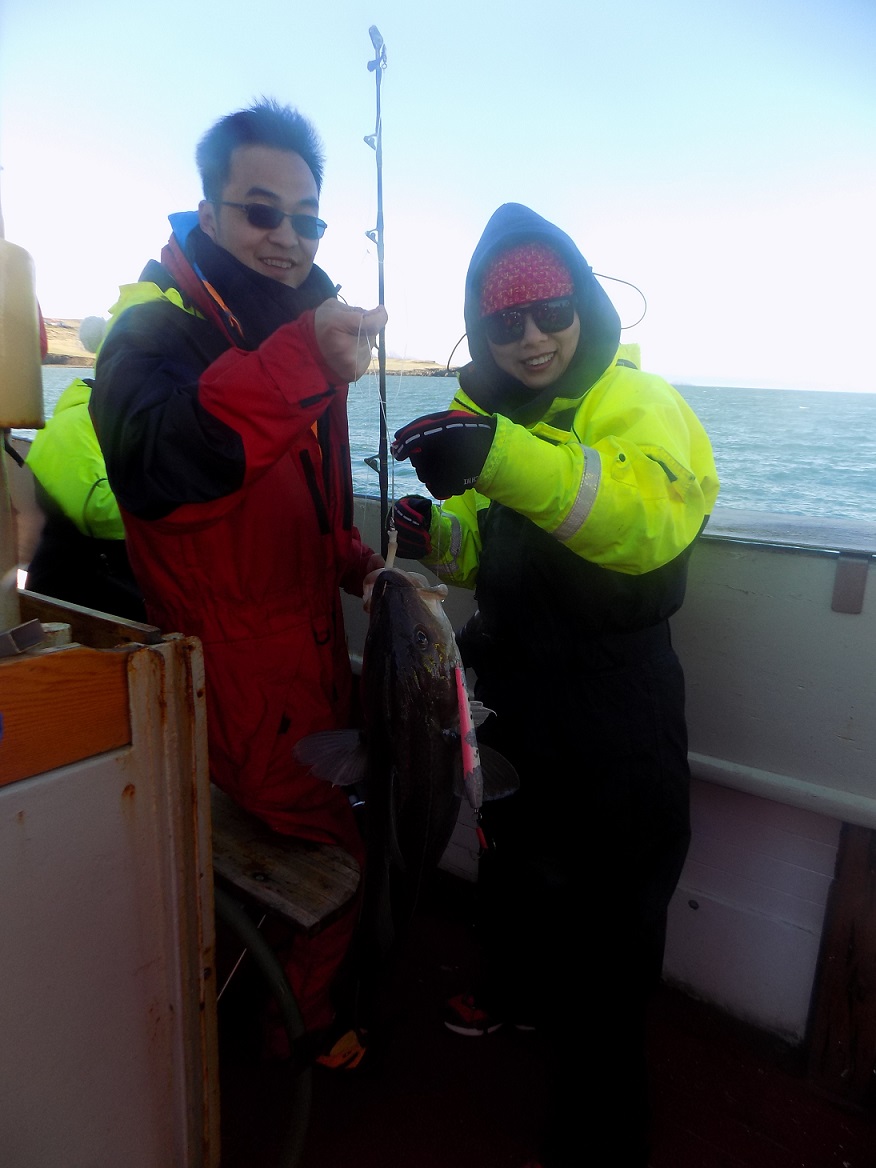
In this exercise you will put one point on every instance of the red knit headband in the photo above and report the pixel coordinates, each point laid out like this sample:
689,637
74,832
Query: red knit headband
530,271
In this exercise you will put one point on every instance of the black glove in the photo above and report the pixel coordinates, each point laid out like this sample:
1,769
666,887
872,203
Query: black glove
470,640
413,517
448,449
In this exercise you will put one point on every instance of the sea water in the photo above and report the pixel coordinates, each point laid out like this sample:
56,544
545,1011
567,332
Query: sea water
801,452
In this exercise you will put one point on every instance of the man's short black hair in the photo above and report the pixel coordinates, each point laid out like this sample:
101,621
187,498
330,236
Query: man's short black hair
264,124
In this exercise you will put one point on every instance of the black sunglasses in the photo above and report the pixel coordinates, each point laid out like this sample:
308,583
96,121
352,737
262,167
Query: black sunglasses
268,218
548,316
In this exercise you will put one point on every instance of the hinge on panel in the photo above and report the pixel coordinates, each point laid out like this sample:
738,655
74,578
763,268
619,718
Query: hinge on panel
850,582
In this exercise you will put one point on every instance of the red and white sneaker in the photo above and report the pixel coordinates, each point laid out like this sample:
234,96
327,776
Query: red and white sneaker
463,1015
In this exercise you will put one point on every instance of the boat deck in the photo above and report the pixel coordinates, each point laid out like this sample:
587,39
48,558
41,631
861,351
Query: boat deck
724,1095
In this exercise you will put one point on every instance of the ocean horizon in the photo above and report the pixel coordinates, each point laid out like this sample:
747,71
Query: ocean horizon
793,451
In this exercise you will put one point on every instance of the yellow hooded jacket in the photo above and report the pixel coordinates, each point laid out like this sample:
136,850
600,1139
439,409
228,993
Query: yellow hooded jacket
66,459
624,477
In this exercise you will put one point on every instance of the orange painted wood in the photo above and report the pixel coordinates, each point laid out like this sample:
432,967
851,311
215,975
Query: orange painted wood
61,707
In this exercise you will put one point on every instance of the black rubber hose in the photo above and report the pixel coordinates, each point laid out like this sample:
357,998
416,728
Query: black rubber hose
231,913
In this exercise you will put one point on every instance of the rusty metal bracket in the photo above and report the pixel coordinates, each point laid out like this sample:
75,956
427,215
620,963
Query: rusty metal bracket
20,638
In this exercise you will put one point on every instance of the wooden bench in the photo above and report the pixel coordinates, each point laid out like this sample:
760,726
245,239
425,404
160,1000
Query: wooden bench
307,884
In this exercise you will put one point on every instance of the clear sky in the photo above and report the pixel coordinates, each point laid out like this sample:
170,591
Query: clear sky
719,154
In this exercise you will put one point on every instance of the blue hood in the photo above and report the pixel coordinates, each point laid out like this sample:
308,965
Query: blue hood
182,224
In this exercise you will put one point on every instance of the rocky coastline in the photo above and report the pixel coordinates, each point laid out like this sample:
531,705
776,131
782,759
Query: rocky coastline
66,348
395,366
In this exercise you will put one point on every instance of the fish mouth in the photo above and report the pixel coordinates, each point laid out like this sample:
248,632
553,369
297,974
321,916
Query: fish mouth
409,581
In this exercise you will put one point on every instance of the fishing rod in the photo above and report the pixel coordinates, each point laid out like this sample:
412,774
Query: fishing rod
375,141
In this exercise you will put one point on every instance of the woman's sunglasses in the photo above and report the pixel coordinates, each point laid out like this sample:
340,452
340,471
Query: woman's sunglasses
548,316
268,218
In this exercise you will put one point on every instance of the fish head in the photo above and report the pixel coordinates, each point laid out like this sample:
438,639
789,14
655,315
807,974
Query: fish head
410,638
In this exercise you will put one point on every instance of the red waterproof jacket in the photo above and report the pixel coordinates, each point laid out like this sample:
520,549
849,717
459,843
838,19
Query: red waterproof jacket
232,470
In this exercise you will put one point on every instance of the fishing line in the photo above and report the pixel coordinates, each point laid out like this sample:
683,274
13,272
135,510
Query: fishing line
237,964
618,280
453,350
389,533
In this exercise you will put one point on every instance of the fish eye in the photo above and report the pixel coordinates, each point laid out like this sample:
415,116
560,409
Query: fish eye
421,637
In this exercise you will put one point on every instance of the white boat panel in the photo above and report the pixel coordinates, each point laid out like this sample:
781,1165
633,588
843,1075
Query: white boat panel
108,1051
781,689
758,969
752,900
753,882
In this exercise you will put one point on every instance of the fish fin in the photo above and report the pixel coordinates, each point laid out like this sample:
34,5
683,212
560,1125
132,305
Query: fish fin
339,756
479,712
500,777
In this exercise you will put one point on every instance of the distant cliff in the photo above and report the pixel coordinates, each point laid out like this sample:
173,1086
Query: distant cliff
65,348
397,365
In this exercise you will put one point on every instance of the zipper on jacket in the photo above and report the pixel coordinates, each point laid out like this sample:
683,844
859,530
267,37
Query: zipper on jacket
313,486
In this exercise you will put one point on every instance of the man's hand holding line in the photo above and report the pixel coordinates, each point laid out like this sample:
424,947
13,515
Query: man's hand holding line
346,336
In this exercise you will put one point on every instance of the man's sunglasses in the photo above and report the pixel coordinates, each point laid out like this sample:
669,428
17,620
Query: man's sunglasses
268,218
548,316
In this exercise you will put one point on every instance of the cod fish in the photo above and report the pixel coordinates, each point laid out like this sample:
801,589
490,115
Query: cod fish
417,753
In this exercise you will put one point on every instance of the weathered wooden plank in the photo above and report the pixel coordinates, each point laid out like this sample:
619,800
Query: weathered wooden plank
308,884
87,626
842,1053
60,707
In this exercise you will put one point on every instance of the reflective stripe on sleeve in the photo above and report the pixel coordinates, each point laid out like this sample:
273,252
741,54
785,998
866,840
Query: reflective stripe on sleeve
585,498
449,565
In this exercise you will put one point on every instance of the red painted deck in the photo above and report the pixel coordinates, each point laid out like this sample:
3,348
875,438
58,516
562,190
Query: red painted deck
724,1096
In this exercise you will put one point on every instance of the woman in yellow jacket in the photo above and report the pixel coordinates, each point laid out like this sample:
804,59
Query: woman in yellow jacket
573,486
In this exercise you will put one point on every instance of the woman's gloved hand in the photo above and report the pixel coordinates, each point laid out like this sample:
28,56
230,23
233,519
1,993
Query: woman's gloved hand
413,518
447,449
